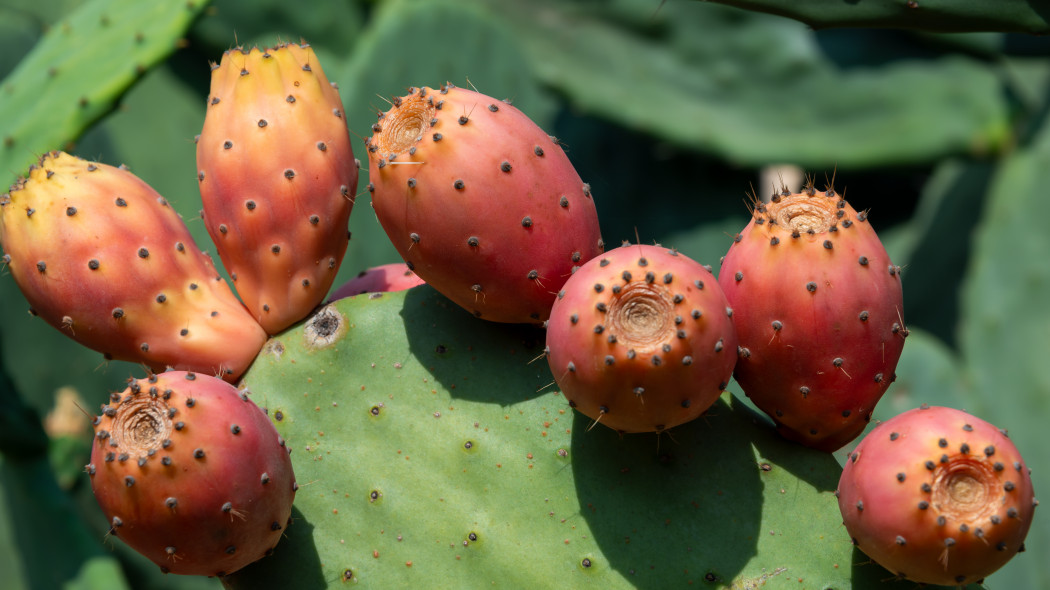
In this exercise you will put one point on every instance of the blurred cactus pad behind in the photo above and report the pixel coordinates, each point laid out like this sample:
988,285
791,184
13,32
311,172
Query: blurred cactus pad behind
431,452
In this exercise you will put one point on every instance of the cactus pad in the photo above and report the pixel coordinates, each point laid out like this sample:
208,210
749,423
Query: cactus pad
428,448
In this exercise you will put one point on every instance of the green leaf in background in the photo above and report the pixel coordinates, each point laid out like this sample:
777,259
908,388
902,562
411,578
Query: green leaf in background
755,89
330,26
934,246
431,451
38,520
75,74
928,373
1023,16
708,243
44,544
21,433
400,48
20,29
1005,328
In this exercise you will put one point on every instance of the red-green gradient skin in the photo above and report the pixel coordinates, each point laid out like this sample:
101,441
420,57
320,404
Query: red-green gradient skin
641,339
480,202
378,279
937,496
103,258
191,473
819,316
277,178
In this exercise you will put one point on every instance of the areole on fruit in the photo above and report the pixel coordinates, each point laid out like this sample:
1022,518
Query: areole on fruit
405,125
641,316
803,212
141,425
964,490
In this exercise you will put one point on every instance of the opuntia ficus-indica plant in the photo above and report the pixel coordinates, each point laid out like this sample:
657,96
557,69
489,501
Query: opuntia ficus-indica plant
436,450
937,496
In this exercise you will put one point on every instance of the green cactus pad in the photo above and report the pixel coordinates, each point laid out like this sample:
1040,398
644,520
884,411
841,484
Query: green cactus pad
1006,329
929,247
45,543
753,89
1022,16
79,69
430,450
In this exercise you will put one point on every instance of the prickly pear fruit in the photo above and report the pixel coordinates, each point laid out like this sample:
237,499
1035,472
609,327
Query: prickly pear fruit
277,178
378,279
480,202
937,496
104,259
819,315
191,473
641,339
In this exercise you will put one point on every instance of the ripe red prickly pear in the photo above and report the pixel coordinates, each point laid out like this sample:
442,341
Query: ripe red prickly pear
480,202
937,496
818,312
277,178
379,279
191,473
641,339
104,259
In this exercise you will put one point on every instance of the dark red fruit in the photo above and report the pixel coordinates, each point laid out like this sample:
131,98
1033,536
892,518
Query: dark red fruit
819,314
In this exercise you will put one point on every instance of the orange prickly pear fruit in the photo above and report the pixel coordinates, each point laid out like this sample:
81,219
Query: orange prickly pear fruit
277,178
103,258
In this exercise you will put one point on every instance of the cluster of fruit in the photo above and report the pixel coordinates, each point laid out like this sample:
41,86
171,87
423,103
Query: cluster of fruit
642,339
486,208
187,469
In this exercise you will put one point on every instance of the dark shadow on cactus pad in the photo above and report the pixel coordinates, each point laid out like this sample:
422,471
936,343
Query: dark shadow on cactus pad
298,547
817,468
452,344
684,507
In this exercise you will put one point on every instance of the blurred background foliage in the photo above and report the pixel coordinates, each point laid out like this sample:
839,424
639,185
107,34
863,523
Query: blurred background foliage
675,111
